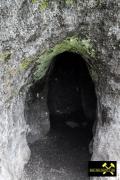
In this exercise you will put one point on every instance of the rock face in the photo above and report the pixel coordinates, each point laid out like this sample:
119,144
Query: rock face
30,28
36,112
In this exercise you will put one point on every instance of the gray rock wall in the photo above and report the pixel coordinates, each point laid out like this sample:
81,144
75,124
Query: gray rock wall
36,113
27,30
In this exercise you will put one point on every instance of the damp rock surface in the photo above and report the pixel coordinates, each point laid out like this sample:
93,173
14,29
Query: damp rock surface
28,29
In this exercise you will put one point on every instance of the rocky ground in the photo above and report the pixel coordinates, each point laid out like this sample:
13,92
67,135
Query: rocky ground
62,155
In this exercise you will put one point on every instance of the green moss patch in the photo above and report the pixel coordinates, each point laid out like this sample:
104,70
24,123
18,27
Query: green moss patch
5,56
25,64
69,2
72,44
34,1
43,5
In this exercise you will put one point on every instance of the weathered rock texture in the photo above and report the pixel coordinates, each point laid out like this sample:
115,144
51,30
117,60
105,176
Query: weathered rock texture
36,112
27,30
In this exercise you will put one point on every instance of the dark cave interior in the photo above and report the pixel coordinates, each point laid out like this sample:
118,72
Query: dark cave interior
71,102
71,93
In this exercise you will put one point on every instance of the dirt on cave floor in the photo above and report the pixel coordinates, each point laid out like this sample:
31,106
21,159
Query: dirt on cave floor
61,155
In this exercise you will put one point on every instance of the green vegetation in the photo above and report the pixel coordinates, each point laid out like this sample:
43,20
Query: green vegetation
43,5
72,44
34,1
25,64
5,56
69,2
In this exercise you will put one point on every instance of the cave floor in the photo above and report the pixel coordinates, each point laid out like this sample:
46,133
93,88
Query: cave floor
61,155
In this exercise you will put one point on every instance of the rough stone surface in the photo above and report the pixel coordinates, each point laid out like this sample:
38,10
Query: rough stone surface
36,112
27,31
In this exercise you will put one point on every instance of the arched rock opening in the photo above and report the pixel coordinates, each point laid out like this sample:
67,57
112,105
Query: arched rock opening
61,107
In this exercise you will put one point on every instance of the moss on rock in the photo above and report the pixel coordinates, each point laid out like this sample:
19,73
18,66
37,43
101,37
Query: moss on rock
72,44
5,56
25,64
69,2
43,5
34,1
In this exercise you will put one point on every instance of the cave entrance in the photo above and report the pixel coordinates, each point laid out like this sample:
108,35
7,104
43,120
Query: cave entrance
70,97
